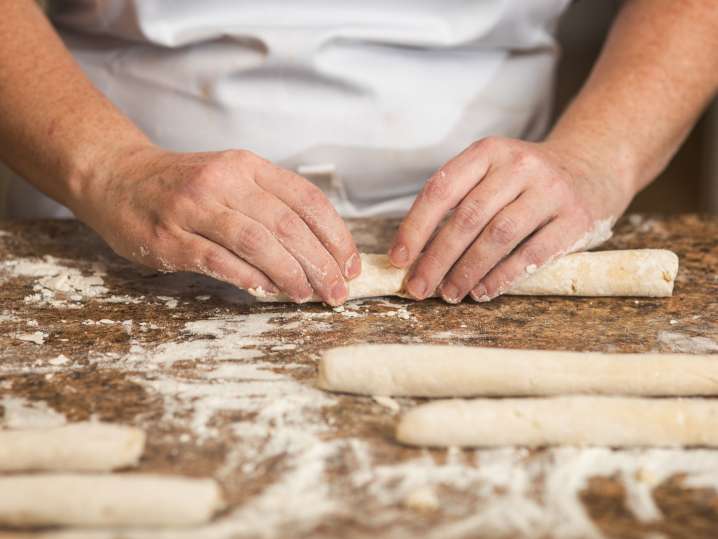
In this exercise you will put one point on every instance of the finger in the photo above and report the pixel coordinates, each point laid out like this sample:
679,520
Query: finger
506,230
313,207
463,227
542,247
320,267
442,192
254,243
201,255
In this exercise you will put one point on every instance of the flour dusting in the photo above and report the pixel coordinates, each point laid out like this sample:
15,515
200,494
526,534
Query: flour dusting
24,414
600,233
37,337
56,284
691,344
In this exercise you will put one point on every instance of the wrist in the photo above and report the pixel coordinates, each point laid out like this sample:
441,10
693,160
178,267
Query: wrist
90,176
613,164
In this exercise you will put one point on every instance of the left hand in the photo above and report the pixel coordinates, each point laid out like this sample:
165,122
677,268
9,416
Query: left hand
514,207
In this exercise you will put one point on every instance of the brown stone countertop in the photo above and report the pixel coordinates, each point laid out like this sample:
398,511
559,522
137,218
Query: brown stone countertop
224,388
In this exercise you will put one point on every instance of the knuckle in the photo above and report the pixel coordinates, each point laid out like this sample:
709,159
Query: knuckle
486,144
502,229
559,188
525,159
251,239
209,172
288,224
313,197
237,156
469,216
211,262
430,262
437,190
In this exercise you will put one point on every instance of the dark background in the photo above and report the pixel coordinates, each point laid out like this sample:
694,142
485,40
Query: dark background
689,182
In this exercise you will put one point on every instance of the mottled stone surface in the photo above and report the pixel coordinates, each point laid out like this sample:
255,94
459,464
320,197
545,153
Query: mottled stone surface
223,388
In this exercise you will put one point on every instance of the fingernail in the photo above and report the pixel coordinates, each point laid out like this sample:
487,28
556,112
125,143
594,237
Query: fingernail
352,267
339,292
417,287
399,255
304,298
480,294
450,293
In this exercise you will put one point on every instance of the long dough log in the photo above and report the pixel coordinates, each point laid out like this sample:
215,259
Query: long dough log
641,272
462,371
79,447
578,420
107,500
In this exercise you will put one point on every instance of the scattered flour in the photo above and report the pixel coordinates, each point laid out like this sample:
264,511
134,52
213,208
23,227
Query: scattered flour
59,361
281,347
387,402
7,316
170,302
37,337
402,313
57,284
23,414
682,342
422,499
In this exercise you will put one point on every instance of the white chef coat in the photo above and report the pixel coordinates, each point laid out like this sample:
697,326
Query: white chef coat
365,97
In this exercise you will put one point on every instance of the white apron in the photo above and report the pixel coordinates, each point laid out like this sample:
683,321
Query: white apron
364,97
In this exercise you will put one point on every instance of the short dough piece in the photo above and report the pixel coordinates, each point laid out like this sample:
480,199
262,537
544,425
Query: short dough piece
641,272
78,447
577,420
107,500
416,370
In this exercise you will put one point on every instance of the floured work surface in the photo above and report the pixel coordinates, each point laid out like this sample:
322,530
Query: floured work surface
224,389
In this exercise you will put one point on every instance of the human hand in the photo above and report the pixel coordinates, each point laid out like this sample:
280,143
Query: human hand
514,206
231,215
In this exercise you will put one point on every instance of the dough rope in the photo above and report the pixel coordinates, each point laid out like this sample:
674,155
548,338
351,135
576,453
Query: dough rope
417,370
640,272
85,500
79,447
573,420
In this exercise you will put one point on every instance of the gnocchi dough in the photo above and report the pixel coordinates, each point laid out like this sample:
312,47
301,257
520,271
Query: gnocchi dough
79,447
119,500
416,370
640,272
570,420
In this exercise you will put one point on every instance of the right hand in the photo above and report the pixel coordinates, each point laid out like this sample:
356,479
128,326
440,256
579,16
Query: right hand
231,215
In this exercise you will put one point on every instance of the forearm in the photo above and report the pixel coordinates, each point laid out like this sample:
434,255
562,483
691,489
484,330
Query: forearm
56,129
657,72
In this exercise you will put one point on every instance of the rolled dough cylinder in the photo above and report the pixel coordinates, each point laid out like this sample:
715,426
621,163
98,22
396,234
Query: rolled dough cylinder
79,447
575,420
461,371
107,500
641,272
